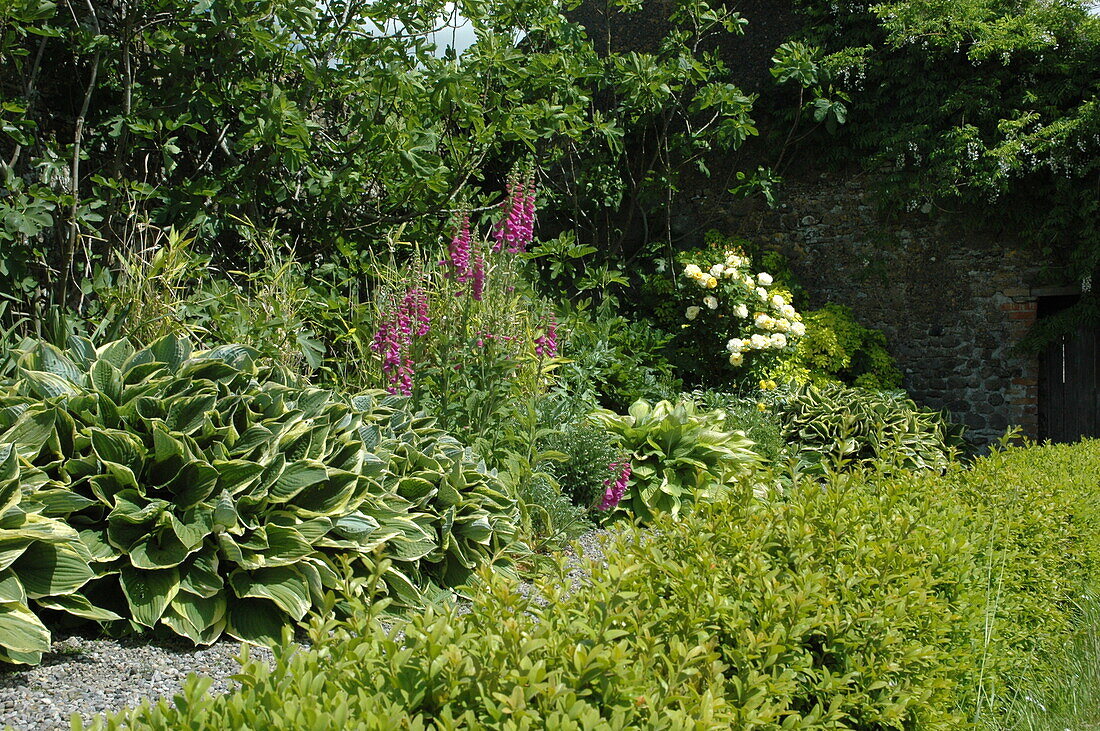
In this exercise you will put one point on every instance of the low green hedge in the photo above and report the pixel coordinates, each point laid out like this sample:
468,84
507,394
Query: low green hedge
902,602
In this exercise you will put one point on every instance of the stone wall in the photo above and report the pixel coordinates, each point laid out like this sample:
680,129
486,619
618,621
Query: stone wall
952,303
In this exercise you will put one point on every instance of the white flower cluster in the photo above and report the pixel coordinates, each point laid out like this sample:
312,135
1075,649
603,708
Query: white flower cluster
776,321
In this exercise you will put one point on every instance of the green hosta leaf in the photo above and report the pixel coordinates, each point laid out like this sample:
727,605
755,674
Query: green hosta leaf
296,477
11,549
355,527
31,431
477,530
159,551
37,527
228,549
59,502
415,489
193,484
225,512
48,570
253,439
171,350
256,621
107,379
48,385
81,350
149,592
201,613
285,546
117,446
283,585
237,475
78,606
95,540
311,530
48,359
329,497
199,574
179,624
21,631
402,588
167,447
11,588
116,353
187,414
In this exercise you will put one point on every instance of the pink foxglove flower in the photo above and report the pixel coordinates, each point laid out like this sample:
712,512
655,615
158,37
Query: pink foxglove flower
614,490
393,340
515,229
459,251
546,345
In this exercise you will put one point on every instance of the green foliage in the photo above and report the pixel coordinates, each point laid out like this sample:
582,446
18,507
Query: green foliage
1068,695
170,288
878,602
589,452
211,494
744,414
837,349
1034,515
553,519
612,360
679,456
833,426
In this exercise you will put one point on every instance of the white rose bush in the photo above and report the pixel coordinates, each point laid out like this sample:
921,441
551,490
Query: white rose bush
726,302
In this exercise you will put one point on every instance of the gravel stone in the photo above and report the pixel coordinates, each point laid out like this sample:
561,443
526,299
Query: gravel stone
88,675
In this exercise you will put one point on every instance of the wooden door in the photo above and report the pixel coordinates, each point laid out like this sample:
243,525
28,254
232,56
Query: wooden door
1069,399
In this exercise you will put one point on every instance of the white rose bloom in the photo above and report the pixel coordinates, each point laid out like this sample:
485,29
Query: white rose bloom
764,278
692,271
788,312
798,329
716,270
779,340
692,312
735,345
778,301
711,302
741,311
761,321
762,294
729,273
736,359
748,281
758,341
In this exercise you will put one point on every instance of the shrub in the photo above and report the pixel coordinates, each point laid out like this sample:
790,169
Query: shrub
588,452
879,602
211,494
678,456
839,349
731,321
852,427
612,361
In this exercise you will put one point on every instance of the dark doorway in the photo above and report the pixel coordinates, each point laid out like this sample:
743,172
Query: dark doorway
1069,407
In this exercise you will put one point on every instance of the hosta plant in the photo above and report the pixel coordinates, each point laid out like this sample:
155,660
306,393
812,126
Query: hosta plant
836,426
42,560
211,494
678,456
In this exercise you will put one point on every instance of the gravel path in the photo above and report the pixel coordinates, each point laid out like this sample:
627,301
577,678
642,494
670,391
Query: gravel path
89,675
